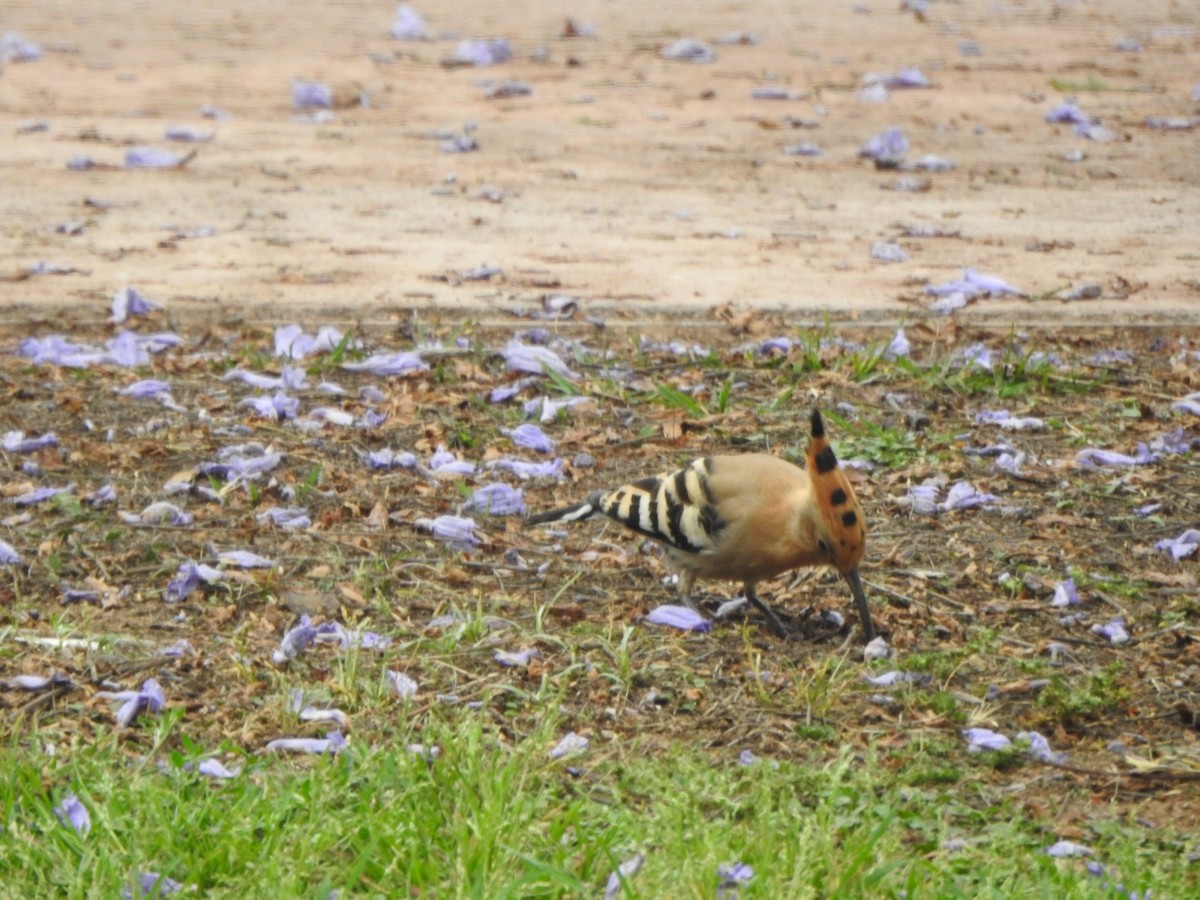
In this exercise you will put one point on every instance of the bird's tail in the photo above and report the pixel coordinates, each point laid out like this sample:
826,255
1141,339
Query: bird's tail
572,513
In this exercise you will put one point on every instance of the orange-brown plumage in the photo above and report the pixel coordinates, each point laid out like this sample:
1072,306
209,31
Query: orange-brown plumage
745,518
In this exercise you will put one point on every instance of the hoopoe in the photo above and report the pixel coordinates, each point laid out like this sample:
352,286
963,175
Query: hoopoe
744,518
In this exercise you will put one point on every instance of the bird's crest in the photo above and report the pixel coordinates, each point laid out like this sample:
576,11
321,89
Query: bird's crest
835,499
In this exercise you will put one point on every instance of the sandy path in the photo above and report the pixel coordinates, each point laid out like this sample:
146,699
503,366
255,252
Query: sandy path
643,186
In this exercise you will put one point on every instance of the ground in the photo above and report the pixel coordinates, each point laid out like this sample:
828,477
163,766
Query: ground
642,186
656,194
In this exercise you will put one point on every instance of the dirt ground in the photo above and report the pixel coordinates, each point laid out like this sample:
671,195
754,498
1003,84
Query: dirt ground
641,185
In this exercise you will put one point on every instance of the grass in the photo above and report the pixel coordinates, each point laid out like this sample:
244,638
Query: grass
496,818
850,789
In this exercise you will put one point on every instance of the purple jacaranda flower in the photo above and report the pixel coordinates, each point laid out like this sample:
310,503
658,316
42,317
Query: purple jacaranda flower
1069,113
729,607
245,559
508,391
922,499
974,284
214,768
146,387
149,698
775,92
483,52
79,595
1189,404
907,78
402,684
16,442
290,377
409,26
1150,509
498,499
154,158
1184,545
48,268
37,683
332,744
770,346
948,303
291,518
889,145
622,874
460,143
52,350
1067,849
102,495
294,342
1093,458
1114,357
295,640
387,458
41,495
990,285
386,364
802,148
188,134
177,650
1175,442
1095,131
977,356
331,415
368,393
1113,630
980,739
16,48
151,884
1066,594
571,743
730,877
517,659
682,617
1008,422
688,49
158,513
278,407
452,529
962,495
899,346
747,758
895,677
127,349
243,461
311,95
549,409
189,577
530,437
331,389
128,302
534,360
1039,748
445,464
73,813
525,470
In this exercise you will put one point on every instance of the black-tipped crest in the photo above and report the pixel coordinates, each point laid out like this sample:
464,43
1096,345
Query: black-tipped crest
818,424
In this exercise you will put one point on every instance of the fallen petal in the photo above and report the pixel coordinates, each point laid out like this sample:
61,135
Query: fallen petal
682,617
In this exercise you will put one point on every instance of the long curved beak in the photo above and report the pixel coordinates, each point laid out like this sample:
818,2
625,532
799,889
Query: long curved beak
860,598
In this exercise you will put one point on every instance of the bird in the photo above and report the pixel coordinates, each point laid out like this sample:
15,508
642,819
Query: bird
744,517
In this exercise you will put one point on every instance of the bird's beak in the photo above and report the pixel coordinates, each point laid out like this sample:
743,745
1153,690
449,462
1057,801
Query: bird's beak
860,598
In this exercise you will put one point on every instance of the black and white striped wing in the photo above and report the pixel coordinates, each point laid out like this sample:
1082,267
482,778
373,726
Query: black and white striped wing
678,509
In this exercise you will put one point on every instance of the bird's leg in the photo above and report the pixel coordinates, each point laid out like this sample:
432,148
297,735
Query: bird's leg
776,625
686,578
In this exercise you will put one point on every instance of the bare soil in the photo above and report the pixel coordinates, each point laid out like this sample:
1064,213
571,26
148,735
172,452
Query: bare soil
641,185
